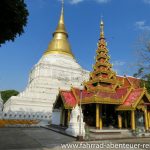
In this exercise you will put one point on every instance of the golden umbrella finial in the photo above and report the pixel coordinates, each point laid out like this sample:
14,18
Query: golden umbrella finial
102,27
62,3
102,20
61,21
62,10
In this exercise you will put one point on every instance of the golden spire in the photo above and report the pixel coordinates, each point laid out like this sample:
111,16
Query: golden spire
102,28
61,24
59,44
102,77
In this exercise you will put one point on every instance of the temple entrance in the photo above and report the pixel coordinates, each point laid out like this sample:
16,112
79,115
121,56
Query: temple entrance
89,114
140,119
126,119
109,116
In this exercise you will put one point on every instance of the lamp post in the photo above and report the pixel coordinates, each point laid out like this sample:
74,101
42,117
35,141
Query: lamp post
80,136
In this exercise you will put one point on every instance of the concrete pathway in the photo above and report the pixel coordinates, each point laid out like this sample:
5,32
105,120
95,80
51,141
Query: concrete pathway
44,139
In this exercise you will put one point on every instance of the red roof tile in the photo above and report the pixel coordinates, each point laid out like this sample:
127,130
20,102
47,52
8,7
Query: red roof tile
129,80
133,96
84,93
120,92
68,98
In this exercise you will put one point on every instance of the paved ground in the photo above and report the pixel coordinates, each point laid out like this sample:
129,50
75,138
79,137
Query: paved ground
30,138
43,139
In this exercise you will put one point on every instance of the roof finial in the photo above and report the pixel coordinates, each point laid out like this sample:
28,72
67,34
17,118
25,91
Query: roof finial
61,21
62,3
62,10
102,27
101,17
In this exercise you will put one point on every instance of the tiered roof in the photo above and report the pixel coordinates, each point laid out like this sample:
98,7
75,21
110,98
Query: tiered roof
102,78
125,97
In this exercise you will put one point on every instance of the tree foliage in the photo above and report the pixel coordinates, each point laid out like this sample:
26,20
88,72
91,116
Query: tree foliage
145,79
143,61
13,18
143,55
146,83
8,93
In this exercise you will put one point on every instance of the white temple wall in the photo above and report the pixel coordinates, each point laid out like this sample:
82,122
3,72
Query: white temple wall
56,116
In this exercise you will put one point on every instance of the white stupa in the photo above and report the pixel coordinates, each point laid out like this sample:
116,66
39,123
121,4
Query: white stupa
56,69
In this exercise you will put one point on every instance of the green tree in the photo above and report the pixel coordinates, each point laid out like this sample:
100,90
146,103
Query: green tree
8,93
13,18
147,83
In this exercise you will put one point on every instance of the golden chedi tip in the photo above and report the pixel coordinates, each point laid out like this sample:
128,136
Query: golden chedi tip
59,44
102,29
102,23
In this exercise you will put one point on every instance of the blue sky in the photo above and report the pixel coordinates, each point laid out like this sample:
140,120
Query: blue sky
124,21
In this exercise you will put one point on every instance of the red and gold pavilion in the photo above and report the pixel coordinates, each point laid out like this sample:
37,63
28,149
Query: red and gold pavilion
107,100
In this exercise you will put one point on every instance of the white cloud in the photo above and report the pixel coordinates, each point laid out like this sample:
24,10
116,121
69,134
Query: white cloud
146,1
119,67
141,25
118,63
102,1
79,1
75,1
40,3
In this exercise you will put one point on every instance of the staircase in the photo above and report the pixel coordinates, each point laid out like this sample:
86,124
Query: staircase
96,134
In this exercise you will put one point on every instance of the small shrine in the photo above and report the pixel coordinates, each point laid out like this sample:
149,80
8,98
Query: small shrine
76,124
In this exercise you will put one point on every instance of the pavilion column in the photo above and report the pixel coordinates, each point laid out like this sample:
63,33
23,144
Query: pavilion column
126,121
148,113
133,120
146,119
68,116
61,117
119,121
100,117
97,116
